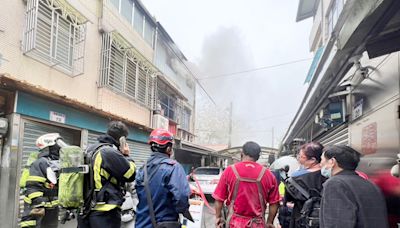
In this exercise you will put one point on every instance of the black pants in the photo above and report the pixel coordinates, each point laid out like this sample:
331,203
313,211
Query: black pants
96,219
50,219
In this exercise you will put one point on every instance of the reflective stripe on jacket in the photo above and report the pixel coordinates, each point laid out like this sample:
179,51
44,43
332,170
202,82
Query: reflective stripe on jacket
40,192
111,170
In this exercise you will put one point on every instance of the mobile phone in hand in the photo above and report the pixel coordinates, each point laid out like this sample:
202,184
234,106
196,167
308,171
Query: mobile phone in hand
122,143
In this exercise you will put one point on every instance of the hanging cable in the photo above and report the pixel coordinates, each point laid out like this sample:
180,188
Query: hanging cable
254,69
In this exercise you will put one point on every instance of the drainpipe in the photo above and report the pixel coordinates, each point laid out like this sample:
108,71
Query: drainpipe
349,100
344,110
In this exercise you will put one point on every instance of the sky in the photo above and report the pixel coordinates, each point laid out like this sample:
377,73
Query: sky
223,37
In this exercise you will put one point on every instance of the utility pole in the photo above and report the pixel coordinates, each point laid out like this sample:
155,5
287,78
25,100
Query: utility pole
230,126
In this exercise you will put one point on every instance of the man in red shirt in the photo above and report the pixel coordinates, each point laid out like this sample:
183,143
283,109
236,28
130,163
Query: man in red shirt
239,188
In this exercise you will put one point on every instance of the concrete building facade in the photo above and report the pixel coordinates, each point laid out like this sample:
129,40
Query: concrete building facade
71,66
354,80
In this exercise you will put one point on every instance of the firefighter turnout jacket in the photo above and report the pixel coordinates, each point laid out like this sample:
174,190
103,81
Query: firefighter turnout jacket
40,192
111,170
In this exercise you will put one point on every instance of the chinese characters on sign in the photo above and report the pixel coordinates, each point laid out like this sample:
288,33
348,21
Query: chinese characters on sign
369,139
57,117
358,109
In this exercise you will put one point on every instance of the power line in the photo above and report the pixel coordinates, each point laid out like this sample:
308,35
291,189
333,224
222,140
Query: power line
201,86
272,117
253,69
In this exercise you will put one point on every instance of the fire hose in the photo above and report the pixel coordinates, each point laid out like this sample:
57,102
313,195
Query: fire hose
203,197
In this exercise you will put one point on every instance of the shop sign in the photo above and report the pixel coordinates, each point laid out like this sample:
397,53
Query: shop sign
57,117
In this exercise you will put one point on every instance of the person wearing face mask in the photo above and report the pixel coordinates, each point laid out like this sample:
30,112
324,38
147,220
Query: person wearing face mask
349,200
309,178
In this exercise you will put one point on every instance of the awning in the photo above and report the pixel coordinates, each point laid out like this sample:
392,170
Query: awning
354,31
234,152
8,82
194,148
307,8
132,52
314,64
71,11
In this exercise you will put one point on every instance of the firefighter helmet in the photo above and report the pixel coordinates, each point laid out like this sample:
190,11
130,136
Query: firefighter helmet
161,137
47,140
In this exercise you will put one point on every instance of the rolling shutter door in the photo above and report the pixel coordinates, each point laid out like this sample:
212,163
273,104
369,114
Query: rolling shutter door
139,151
92,137
339,136
32,130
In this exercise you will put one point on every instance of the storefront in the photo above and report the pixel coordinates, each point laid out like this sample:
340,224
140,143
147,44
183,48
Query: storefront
34,115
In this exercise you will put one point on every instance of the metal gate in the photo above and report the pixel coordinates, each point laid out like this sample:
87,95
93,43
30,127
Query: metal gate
92,137
31,131
338,136
139,151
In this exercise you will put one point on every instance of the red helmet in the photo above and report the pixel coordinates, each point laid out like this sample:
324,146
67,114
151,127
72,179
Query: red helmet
161,137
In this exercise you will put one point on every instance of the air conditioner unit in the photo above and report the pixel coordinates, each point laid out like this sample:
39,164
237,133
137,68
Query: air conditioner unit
160,121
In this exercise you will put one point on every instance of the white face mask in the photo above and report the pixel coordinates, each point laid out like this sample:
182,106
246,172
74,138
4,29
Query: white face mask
326,172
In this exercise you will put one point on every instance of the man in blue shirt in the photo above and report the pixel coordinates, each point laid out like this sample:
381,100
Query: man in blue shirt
167,183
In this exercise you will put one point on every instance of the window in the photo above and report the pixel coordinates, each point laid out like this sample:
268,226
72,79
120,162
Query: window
122,71
138,21
333,14
54,36
168,104
149,33
142,86
186,119
116,76
141,22
126,9
115,3
207,171
131,68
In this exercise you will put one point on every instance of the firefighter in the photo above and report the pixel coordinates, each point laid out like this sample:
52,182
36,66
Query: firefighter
41,189
111,169
168,185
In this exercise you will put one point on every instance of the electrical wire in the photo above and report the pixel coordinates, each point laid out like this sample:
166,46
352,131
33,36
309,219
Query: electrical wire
254,69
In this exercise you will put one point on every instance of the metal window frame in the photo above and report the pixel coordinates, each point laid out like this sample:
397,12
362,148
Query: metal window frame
130,62
143,78
186,115
117,54
169,106
30,40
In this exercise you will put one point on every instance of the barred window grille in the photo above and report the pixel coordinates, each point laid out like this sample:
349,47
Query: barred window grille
152,96
142,86
116,75
122,72
53,37
131,71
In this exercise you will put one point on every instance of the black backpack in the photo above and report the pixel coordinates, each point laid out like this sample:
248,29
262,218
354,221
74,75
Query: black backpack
310,212
89,193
